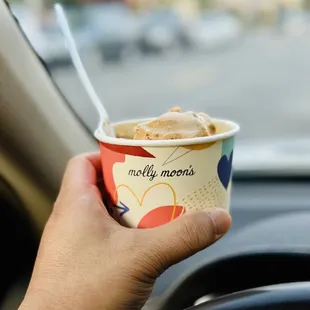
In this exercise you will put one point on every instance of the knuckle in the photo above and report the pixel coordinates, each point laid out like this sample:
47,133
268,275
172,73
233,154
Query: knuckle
125,240
147,255
76,159
159,253
154,259
58,207
198,233
189,235
72,161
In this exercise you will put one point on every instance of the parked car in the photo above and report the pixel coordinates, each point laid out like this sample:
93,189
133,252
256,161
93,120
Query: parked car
46,38
296,23
215,30
115,29
161,30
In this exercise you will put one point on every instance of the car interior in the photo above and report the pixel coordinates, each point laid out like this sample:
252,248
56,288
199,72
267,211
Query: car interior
262,263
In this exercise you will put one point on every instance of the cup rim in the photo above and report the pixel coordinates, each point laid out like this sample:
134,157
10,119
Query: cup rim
102,137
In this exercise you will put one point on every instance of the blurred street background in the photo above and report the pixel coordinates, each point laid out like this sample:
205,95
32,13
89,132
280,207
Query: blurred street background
246,60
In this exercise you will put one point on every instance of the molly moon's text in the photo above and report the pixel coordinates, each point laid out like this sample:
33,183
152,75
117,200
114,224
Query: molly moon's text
150,172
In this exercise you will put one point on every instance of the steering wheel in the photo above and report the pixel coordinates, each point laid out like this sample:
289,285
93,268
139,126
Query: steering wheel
284,297
255,276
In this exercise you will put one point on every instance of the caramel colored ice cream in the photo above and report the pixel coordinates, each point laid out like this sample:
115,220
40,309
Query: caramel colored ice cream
176,125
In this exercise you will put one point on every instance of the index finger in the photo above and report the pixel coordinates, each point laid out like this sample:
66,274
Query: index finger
82,170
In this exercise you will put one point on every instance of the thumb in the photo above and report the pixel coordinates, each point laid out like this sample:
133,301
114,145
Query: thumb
187,235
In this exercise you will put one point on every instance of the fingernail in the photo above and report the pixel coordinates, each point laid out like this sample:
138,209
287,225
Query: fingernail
221,220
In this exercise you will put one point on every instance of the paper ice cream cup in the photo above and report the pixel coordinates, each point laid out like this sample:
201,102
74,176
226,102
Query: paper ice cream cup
149,183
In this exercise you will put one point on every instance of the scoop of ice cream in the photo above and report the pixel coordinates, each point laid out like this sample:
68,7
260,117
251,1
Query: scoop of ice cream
175,125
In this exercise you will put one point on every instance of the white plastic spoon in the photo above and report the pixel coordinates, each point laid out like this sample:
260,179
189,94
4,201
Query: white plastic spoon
104,117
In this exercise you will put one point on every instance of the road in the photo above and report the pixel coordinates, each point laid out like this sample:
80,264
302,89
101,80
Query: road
262,82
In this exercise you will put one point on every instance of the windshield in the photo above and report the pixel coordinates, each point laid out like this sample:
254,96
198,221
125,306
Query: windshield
247,61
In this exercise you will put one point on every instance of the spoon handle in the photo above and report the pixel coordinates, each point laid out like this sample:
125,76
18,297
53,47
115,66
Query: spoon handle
63,22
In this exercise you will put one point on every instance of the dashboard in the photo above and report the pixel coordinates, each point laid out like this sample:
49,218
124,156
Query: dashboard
268,216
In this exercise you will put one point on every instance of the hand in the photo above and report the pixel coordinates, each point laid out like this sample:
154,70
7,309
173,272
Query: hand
86,260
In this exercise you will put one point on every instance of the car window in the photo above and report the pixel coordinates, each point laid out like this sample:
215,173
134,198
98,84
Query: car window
242,60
